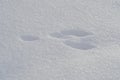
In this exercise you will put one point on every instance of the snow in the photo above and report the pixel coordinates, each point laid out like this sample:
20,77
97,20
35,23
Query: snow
59,40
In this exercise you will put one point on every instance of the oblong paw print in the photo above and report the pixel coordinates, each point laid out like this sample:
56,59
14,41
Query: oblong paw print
67,33
29,38
78,33
80,45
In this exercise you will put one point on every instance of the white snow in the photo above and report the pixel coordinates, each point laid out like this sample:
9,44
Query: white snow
59,39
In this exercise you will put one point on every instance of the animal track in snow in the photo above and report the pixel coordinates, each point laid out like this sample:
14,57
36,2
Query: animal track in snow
80,45
78,33
67,33
84,44
29,38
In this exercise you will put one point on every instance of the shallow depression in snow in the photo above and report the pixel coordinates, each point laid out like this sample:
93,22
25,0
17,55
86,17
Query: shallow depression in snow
73,32
29,38
80,45
83,35
78,33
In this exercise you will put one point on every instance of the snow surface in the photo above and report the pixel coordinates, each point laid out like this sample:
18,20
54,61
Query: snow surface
59,39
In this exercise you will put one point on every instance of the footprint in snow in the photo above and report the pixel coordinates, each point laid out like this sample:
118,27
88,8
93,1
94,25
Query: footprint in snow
67,33
83,44
29,38
80,45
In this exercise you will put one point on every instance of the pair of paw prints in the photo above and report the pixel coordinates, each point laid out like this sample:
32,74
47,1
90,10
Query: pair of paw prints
78,39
